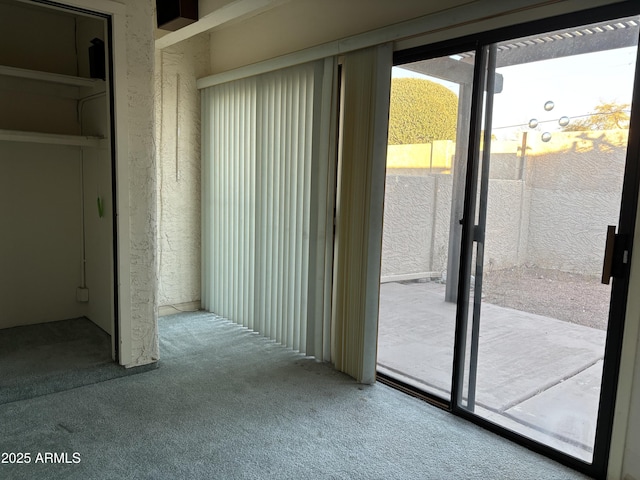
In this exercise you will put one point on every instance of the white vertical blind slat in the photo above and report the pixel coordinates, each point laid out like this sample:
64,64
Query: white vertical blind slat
293,232
304,199
257,182
205,196
289,183
235,144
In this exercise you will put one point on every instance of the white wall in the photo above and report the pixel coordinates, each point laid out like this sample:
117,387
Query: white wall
178,152
626,450
632,450
49,37
21,109
40,257
301,24
99,279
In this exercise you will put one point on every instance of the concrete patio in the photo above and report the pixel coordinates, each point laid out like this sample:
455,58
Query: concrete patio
536,375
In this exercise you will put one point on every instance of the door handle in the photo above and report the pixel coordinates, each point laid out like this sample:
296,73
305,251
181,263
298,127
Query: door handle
607,267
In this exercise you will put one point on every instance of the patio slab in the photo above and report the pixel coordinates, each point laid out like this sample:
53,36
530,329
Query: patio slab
535,373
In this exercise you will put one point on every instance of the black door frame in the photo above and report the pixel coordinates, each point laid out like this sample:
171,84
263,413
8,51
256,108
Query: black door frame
481,43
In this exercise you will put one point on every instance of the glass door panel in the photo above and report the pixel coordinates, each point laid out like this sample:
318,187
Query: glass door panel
426,168
548,188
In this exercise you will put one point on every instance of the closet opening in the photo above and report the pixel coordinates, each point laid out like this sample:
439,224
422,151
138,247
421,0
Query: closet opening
58,323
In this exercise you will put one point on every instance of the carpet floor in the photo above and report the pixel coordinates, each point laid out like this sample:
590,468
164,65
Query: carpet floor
227,403
55,356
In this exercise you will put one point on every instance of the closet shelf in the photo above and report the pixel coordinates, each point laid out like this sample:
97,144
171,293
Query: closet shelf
50,77
52,138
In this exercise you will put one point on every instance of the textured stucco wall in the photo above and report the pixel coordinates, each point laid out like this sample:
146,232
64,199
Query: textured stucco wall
142,180
416,224
555,217
575,194
178,150
406,241
507,220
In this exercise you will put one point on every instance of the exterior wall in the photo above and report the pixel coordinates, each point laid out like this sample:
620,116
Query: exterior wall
409,204
575,185
507,220
555,217
178,152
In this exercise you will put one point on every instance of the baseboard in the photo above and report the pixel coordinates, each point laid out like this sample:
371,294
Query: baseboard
179,307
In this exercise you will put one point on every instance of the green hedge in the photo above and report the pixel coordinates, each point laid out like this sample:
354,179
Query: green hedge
421,111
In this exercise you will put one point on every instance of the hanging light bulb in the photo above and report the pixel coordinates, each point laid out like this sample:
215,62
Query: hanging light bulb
548,106
533,123
546,136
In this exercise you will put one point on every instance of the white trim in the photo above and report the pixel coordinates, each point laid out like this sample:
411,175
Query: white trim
467,19
121,106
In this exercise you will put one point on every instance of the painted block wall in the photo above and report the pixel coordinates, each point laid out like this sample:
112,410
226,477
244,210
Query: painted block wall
416,224
576,184
178,153
555,217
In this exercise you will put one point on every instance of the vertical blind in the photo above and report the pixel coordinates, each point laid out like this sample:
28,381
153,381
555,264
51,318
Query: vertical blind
365,109
264,241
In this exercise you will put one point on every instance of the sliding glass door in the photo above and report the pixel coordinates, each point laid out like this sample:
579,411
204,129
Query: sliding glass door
550,182
426,167
494,299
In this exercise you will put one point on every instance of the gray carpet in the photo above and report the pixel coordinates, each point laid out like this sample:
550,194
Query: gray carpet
226,403
52,357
